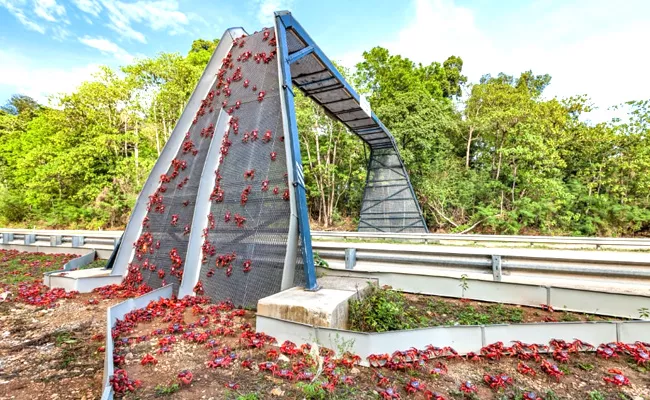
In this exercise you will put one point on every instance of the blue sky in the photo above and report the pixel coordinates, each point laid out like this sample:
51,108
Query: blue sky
594,47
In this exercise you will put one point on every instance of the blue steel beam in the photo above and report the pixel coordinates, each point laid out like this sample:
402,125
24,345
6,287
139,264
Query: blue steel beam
299,180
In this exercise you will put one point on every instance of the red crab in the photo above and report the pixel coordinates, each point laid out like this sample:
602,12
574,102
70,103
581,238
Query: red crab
267,366
250,174
174,220
607,351
198,288
497,382
429,395
414,386
561,356
226,216
616,377
439,369
525,369
390,393
220,362
268,135
349,360
378,360
240,220
286,195
552,370
260,96
283,373
467,387
273,155
185,377
531,396
641,356
148,359
161,273
247,265
272,354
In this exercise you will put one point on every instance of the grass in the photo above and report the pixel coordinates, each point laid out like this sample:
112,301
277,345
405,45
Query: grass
95,264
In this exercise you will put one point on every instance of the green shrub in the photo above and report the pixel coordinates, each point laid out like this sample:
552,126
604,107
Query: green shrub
382,309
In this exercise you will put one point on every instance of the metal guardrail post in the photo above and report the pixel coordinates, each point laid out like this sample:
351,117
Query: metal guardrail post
77,241
29,238
350,258
7,237
56,240
496,268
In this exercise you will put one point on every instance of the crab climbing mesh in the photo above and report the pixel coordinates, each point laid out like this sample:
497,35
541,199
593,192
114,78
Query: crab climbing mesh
388,203
162,245
246,242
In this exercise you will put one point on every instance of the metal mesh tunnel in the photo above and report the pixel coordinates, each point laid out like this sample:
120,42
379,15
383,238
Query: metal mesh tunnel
224,211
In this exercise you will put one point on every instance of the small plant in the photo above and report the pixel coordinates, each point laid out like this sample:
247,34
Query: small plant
162,390
644,313
596,395
319,262
463,284
312,391
550,395
248,396
586,367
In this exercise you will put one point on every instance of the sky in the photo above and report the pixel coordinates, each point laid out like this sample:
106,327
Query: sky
593,47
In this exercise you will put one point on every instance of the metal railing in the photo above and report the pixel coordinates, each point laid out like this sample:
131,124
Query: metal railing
632,269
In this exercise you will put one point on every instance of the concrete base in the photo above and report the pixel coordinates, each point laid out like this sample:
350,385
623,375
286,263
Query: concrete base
327,307
83,281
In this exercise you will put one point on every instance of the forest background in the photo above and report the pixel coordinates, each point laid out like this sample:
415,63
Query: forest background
495,156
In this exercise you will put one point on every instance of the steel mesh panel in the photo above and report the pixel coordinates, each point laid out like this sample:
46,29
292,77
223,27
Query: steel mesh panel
294,43
178,198
262,238
388,203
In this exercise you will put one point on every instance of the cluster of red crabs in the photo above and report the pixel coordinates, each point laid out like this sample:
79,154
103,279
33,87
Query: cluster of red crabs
214,323
229,75
32,291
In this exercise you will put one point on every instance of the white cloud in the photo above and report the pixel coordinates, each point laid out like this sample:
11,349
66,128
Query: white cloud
19,74
158,15
49,10
267,7
107,47
585,48
15,7
88,6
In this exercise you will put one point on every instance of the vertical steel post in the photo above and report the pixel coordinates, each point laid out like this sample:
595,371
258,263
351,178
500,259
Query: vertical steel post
299,182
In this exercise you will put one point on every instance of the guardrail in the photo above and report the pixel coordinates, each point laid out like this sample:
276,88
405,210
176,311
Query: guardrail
109,237
439,238
598,269
616,271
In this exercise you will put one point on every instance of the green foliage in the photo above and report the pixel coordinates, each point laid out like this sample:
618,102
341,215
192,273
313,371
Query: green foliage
502,159
167,390
312,391
596,395
248,396
381,309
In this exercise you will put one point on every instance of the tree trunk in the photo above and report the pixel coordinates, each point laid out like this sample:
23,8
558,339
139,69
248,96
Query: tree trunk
136,154
469,145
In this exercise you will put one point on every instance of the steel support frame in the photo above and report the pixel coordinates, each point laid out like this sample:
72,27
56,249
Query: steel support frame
284,21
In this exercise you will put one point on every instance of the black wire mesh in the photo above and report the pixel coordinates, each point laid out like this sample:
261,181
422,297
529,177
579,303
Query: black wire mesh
388,203
249,253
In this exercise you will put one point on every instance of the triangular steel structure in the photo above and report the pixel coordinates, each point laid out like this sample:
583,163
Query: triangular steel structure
224,210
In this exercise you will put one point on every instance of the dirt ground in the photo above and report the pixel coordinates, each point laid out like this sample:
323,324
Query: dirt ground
49,353
583,373
52,351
